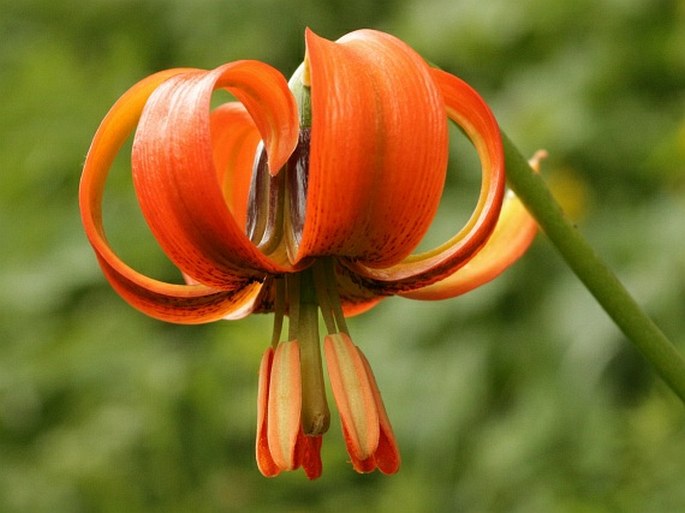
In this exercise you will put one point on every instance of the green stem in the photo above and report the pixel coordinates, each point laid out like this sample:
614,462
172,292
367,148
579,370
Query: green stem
593,272
302,96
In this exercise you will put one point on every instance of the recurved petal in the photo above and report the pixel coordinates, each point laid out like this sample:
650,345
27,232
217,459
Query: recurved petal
357,306
234,141
181,304
113,131
514,233
354,299
378,148
166,301
174,172
471,113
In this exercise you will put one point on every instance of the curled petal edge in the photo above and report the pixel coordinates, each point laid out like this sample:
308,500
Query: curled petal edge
379,146
515,231
465,107
180,304
166,301
234,141
513,234
174,170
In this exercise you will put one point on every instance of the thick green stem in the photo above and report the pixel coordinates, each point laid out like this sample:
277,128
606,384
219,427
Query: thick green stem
593,272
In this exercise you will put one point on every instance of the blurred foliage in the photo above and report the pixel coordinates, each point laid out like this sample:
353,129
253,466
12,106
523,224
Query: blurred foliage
521,396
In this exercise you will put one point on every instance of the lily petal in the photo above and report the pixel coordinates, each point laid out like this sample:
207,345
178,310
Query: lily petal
175,177
165,301
513,234
353,298
234,141
379,146
181,304
515,231
464,106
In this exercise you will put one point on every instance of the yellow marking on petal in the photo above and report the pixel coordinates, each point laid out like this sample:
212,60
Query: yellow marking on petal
513,235
464,106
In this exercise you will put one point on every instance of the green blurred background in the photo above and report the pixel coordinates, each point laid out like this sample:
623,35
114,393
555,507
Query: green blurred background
519,397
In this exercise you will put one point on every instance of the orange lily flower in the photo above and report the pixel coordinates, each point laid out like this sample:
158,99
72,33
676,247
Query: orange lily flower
305,199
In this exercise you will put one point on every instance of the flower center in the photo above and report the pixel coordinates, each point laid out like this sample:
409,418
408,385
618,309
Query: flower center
292,400
276,204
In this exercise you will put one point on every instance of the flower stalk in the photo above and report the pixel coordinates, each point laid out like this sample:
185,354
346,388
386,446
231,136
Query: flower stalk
602,283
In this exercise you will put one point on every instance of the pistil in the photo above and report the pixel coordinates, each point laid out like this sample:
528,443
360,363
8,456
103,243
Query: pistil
279,309
304,327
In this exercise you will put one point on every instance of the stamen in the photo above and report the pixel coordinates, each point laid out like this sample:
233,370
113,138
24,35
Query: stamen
329,267
279,310
297,178
328,296
353,395
265,216
323,296
283,424
257,203
265,462
269,215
